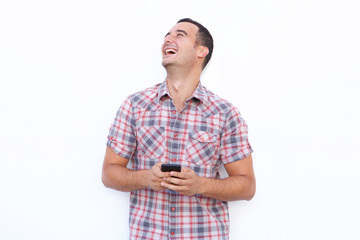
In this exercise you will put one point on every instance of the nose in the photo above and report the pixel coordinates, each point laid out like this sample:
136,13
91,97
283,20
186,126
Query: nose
168,38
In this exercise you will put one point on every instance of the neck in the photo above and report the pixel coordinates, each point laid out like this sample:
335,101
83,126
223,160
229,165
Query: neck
181,86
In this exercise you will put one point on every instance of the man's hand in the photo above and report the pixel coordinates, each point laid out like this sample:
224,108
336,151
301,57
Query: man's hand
117,176
155,176
185,182
240,185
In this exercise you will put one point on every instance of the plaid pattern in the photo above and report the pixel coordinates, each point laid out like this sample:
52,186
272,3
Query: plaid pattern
208,132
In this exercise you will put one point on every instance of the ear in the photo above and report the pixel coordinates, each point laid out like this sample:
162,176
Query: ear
204,51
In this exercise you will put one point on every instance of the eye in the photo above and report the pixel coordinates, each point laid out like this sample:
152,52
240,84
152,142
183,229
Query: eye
180,35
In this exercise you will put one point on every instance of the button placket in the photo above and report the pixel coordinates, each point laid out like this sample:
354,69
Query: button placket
174,135
174,157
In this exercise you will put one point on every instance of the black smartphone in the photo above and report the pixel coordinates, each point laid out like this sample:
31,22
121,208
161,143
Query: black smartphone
165,167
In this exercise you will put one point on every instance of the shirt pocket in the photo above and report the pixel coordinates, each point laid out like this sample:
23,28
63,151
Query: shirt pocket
151,141
200,147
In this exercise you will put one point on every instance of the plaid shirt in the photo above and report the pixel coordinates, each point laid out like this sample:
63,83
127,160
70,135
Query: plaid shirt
208,132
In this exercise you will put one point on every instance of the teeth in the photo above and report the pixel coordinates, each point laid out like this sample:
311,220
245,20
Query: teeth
170,51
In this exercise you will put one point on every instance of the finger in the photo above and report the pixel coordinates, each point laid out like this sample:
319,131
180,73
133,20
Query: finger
183,174
186,169
173,187
175,174
162,175
174,180
157,170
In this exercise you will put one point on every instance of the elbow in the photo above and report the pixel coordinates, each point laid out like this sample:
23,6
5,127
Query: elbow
246,193
105,180
251,192
250,196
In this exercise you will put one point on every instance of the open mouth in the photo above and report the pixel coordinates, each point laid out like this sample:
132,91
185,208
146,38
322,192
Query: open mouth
170,51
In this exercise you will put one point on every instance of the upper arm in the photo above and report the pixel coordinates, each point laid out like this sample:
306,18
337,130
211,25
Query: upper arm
242,172
111,158
242,167
234,143
112,166
121,145
121,138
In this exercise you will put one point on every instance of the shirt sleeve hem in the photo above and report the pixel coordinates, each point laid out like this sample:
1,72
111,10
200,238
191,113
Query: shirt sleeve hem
118,150
238,157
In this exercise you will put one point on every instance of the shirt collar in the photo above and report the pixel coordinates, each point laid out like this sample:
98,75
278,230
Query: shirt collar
199,93
163,90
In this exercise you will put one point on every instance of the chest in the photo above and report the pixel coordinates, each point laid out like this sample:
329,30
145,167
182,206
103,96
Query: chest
189,137
191,118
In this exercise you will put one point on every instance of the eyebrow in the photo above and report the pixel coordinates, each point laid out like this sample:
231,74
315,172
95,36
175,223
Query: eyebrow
182,31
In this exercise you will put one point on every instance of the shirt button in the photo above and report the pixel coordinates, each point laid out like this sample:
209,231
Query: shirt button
175,135
172,233
174,160
173,209
174,112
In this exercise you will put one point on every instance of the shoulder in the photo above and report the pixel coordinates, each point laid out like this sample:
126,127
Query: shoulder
216,104
144,98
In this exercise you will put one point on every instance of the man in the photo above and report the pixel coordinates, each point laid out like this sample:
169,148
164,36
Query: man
180,121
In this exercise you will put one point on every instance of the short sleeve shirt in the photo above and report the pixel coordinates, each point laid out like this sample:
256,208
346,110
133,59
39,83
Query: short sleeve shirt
208,132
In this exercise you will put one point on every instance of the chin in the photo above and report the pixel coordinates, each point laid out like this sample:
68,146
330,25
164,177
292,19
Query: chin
167,64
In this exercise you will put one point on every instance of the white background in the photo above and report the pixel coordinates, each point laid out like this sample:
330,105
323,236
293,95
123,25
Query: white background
291,67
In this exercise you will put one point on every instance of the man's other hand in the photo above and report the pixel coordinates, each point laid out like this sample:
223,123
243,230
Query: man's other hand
186,182
155,176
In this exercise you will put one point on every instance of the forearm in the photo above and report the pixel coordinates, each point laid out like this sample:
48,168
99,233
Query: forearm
228,189
123,179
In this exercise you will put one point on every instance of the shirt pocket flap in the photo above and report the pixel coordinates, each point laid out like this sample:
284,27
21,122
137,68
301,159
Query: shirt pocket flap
202,136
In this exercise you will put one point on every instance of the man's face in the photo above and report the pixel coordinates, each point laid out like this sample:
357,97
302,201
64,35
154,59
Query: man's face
179,48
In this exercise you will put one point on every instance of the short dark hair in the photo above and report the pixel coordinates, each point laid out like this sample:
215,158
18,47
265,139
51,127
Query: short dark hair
203,38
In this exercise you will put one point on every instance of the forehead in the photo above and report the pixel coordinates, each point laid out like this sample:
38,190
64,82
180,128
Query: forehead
189,28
